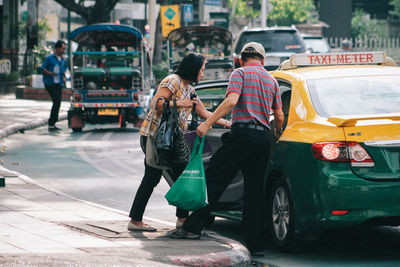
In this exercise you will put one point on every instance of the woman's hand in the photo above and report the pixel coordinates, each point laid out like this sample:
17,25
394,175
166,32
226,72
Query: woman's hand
202,129
227,124
185,103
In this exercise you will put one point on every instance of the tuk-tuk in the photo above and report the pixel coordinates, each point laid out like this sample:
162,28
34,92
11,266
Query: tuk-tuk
111,76
214,43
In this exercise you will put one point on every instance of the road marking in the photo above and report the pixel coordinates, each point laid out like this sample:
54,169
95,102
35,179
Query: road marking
82,153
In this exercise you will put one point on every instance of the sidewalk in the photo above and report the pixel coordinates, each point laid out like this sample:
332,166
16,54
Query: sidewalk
43,227
18,115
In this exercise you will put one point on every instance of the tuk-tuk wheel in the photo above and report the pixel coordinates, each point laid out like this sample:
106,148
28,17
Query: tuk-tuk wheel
122,119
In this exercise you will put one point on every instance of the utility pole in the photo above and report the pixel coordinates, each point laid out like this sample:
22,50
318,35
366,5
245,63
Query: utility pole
264,13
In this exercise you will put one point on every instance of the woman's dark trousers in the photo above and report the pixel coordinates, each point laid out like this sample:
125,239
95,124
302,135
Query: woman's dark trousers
150,179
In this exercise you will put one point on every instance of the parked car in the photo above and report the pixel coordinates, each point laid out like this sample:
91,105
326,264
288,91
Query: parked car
279,44
111,76
214,43
337,163
316,43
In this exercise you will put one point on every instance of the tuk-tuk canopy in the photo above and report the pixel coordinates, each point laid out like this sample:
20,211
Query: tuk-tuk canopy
186,35
107,34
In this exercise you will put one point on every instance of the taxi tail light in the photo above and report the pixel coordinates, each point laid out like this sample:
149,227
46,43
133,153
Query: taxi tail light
340,212
351,152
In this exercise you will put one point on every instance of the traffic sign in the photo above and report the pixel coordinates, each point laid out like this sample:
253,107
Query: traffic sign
188,13
170,19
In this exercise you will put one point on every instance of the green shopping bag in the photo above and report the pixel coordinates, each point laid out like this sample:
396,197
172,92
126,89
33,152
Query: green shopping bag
189,192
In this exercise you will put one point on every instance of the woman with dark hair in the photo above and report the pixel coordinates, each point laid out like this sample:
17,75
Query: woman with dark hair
177,87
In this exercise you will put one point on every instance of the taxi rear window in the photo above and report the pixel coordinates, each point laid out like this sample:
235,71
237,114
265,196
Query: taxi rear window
355,95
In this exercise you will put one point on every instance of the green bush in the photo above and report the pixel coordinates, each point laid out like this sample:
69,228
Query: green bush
12,77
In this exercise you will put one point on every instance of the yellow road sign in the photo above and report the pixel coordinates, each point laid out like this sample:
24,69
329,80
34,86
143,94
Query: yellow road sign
170,19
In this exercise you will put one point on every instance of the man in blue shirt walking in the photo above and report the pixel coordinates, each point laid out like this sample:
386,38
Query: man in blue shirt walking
53,68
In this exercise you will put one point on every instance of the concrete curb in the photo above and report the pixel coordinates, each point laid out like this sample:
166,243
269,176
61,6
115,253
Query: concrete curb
21,127
237,256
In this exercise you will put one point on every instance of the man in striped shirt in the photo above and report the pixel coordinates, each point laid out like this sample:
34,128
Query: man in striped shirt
252,95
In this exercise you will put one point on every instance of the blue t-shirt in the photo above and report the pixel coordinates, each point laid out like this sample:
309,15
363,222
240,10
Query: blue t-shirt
51,63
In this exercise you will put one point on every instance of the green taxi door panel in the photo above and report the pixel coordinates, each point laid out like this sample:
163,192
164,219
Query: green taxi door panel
295,162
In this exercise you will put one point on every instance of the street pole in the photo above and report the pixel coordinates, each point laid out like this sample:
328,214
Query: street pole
201,12
152,23
264,13
68,37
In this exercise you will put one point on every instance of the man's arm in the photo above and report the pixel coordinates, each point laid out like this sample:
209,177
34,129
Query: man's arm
205,114
278,121
224,108
45,66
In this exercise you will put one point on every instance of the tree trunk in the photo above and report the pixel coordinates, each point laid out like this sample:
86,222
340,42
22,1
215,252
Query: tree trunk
157,56
158,44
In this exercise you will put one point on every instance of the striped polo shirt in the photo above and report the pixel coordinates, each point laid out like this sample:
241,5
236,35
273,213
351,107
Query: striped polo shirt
259,94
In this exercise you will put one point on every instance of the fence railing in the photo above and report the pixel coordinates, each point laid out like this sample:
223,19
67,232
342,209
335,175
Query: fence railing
367,43
390,45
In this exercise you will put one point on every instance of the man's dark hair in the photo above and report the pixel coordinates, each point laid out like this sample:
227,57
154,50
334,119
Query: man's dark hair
250,52
190,66
59,44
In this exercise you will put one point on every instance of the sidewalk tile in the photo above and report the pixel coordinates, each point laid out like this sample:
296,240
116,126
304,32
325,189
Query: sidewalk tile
11,217
66,236
6,248
31,242
54,215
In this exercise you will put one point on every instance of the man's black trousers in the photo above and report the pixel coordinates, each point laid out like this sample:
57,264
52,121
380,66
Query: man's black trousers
56,95
246,150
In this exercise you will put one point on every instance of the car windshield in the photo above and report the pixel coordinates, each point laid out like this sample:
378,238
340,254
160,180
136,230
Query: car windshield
355,95
317,45
210,48
273,41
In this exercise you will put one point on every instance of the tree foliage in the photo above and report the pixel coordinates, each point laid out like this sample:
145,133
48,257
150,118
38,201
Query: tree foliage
99,12
396,5
283,13
363,26
288,12
244,10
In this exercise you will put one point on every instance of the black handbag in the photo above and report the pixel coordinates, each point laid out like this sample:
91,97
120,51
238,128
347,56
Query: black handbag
171,145
164,135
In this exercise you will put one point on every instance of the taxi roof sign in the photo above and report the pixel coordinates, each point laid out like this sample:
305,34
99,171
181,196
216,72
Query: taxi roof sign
338,58
329,59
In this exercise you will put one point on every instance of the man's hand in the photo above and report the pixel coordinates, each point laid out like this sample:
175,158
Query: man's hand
202,129
50,73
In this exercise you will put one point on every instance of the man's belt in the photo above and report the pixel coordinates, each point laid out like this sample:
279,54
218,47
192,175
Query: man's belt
250,126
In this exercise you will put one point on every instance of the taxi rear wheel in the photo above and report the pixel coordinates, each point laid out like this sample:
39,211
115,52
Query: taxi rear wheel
281,216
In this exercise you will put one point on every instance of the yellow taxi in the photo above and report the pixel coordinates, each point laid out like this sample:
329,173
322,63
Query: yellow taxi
337,162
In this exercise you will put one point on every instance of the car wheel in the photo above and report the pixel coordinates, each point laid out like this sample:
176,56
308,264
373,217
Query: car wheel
281,216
